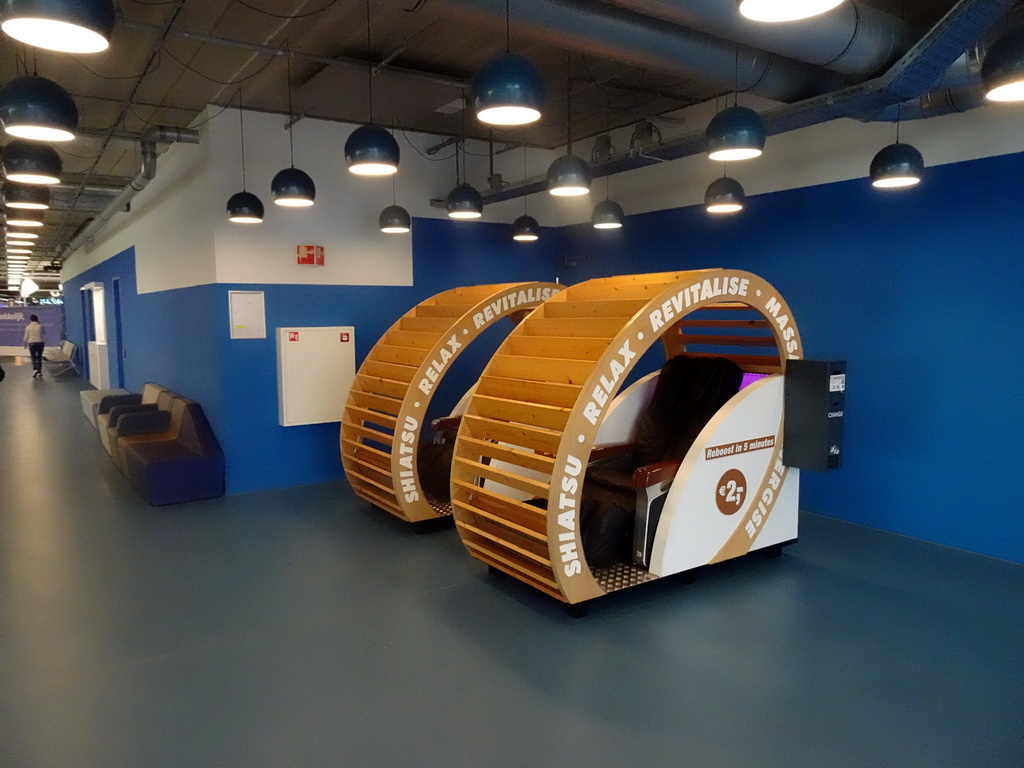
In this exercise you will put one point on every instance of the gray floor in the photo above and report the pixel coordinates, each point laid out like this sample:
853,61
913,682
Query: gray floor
302,628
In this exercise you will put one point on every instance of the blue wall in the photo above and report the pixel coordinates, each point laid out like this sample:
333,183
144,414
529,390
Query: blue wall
920,291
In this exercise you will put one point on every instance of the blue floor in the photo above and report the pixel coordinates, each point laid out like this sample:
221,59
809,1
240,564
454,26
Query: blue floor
302,628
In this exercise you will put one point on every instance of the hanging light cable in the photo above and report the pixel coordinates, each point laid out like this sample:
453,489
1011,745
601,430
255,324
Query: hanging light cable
394,219
463,202
290,186
897,165
244,207
525,229
568,175
370,149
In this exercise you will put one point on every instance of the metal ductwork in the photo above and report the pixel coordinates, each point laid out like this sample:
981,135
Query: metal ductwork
643,41
852,39
158,134
942,101
917,71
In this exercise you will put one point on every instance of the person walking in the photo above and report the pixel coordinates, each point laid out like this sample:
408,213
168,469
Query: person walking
35,344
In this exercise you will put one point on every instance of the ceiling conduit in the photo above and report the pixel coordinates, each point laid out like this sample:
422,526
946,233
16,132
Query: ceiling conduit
852,39
158,134
646,42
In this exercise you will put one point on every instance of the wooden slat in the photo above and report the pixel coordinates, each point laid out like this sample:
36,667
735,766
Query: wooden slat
367,434
506,453
437,325
369,469
623,308
558,347
692,322
381,386
504,544
467,294
534,438
731,305
511,538
473,496
370,417
390,405
388,505
387,353
540,369
356,450
443,310
743,360
379,489
538,534
611,290
502,477
402,373
534,414
729,341
515,570
414,339
590,327
542,392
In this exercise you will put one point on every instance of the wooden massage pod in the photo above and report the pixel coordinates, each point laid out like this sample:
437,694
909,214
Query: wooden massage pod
383,417
537,410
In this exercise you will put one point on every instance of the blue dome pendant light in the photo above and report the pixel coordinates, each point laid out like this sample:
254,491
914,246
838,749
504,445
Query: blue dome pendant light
244,207
525,229
607,214
27,196
569,175
370,150
1002,72
34,108
463,202
724,195
394,220
290,187
69,26
897,165
735,133
28,162
508,89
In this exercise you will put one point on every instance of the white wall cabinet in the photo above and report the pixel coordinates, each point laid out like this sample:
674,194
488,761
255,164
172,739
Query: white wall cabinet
315,369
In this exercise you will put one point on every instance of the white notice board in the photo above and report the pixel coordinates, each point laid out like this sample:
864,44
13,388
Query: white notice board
246,315
315,370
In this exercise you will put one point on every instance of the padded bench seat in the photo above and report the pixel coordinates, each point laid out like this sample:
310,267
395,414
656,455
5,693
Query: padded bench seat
91,399
184,462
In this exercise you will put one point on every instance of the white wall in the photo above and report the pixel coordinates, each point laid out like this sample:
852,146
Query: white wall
835,151
170,225
182,237
344,218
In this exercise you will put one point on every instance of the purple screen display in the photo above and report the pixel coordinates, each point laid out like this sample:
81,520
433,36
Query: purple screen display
14,319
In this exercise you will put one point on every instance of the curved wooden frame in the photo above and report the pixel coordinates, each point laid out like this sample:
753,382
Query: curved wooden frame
542,398
383,417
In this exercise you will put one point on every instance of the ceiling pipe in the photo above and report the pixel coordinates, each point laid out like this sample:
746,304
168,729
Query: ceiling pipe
643,41
158,134
923,65
853,39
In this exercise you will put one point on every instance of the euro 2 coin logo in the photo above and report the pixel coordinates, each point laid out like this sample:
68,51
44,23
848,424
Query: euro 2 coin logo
732,490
